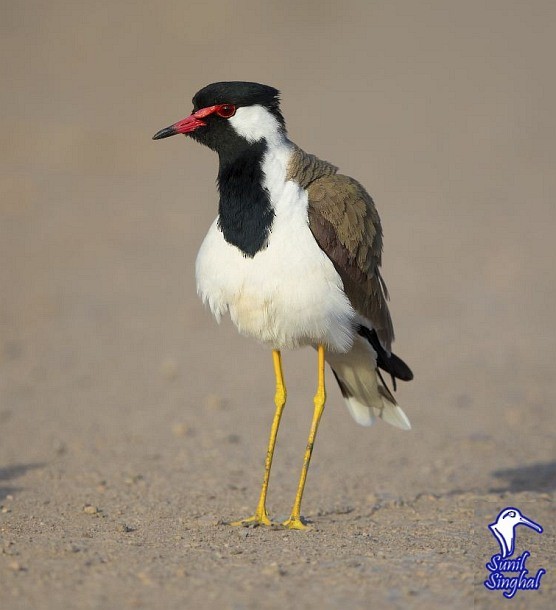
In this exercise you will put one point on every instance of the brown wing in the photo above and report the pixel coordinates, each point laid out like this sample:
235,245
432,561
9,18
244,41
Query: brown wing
346,225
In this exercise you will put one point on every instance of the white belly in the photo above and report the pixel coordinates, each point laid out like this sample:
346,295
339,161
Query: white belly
288,294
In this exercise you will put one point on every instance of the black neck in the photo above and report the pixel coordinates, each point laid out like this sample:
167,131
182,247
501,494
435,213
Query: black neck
245,211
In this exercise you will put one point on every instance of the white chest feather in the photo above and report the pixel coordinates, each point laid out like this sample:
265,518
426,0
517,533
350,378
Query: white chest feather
289,293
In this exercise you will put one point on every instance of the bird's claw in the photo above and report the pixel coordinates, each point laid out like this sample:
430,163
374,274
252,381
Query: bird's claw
254,521
295,523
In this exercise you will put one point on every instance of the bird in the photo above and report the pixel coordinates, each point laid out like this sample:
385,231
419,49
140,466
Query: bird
503,529
293,257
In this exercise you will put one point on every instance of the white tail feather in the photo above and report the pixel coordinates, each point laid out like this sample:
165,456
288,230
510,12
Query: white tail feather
361,413
366,399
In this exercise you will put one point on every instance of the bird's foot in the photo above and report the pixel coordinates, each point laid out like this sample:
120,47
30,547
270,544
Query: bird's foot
254,521
295,523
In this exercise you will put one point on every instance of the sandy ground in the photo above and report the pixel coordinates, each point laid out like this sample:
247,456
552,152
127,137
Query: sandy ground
132,426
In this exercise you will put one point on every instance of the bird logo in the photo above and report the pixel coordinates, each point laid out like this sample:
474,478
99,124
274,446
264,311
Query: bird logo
503,529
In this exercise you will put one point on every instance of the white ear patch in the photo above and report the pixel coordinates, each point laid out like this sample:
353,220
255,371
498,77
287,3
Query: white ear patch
255,123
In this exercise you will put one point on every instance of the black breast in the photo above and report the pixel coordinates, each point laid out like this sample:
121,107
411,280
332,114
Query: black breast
245,211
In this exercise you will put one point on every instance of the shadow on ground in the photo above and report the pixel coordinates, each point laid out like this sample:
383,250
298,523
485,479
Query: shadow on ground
540,476
13,472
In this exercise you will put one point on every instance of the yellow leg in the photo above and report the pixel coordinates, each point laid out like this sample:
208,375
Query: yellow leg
294,522
261,516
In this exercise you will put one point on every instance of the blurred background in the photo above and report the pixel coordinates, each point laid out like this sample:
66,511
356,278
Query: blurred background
443,110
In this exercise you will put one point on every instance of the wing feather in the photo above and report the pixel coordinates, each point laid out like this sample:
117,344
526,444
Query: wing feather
346,225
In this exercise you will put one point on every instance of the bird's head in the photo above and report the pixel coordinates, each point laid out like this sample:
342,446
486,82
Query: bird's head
229,116
512,517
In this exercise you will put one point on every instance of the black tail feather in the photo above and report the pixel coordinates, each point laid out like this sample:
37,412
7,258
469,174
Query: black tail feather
390,363
343,388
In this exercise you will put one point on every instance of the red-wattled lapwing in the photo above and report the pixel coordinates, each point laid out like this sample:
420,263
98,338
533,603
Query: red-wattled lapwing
293,256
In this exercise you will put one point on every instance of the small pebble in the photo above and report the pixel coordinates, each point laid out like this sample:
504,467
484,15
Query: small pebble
214,401
133,479
144,578
89,509
180,430
273,569
169,369
59,447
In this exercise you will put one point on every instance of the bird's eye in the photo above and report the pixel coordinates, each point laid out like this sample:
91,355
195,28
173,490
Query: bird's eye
226,111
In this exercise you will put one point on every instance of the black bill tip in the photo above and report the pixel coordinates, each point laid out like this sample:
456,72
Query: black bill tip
165,133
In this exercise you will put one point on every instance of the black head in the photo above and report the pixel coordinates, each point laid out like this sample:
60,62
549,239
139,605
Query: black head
228,116
238,93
